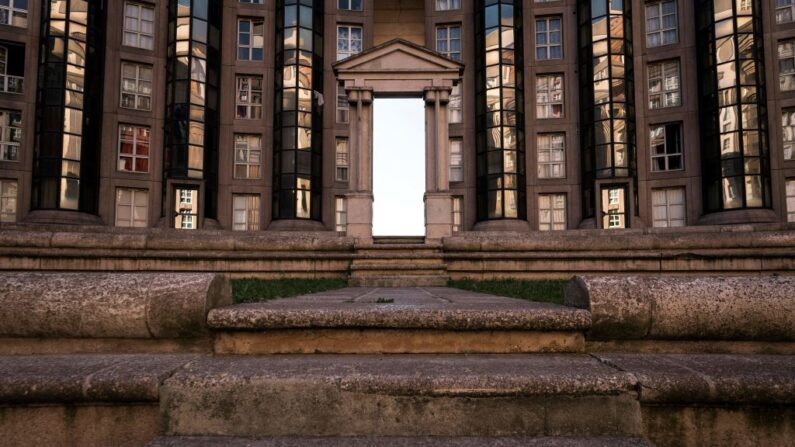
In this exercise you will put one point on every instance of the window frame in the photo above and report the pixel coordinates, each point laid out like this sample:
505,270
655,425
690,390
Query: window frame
789,198
552,224
7,132
780,9
138,31
548,106
456,55
788,138
340,214
246,163
342,160
550,150
350,5
134,156
666,155
343,107
458,214
660,32
15,12
251,213
138,81
667,205
250,47
250,106
456,160
664,91
132,221
9,197
449,5
547,46
349,40
789,74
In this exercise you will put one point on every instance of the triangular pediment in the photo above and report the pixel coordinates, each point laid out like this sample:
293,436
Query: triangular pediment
398,55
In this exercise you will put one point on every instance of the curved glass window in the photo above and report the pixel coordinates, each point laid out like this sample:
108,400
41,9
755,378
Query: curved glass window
298,123
500,111
69,106
606,94
194,59
732,100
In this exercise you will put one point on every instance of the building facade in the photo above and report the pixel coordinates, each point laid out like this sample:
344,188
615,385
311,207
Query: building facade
254,114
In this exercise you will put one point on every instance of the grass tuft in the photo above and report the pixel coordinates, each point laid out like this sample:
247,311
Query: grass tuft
546,291
252,290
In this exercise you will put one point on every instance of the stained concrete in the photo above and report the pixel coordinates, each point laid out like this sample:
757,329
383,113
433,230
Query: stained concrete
440,308
399,442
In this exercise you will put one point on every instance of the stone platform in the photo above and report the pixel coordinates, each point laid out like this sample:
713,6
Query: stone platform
397,320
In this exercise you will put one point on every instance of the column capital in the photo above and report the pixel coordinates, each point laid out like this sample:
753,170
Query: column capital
356,94
431,94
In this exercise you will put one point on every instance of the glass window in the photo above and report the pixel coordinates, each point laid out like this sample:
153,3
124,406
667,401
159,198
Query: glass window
186,207
139,25
551,155
245,212
351,5
668,207
349,41
549,41
788,133
456,160
455,112
249,97
661,23
250,39
14,13
549,96
340,215
790,200
551,212
136,86
665,141
132,207
8,200
784,11
10,134
9,83
248,156
447,5
343,107
342,162
786,65
614,207
133,148
448,41
664,84
458,213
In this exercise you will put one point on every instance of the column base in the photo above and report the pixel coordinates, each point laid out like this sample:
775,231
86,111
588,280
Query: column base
62,217
734,217
503,225
360,217
438,216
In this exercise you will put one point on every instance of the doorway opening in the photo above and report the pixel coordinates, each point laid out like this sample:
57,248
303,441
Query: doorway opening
398,167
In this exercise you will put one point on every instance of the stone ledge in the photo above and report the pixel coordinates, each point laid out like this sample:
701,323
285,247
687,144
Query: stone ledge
709,378
85,378
438,308
109,305
428,441
702,308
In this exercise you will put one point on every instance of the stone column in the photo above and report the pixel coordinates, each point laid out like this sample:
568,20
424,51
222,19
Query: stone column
438,200
360,194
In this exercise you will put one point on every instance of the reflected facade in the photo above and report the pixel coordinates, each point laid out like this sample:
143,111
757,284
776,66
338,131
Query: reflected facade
298,117
69,106
192,102
500,110
732,100
607,106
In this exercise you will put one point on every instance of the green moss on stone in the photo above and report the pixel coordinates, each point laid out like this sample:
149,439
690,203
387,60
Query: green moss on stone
259,290
547,291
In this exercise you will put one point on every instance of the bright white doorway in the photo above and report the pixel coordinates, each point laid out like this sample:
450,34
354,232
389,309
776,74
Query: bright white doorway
398,167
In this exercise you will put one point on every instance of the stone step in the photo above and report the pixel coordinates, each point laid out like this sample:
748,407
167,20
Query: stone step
428,441
395,281
408,395
398,240
375,269
391,250
397,321
399,259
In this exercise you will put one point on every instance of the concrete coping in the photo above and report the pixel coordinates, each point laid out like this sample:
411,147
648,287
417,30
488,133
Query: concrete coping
437,308
109,305
85,378
754,308
709,378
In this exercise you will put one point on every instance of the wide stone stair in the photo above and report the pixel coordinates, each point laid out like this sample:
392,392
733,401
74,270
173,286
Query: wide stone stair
398,262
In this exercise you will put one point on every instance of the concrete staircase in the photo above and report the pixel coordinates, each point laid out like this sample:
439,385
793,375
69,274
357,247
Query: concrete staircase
398,262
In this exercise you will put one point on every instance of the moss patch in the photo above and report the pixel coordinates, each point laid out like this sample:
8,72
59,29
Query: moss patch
547,291
260,290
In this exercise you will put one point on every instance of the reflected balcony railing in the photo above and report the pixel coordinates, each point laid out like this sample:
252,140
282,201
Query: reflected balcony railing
11,84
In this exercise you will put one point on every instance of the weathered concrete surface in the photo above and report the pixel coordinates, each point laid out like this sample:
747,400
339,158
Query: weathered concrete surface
109,305
691,347
709,378
435,441
409,395
728,308
87,425
85,378
53,346
395,341
439,308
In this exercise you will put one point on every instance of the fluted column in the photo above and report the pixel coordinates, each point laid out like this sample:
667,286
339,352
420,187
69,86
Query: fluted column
438,201
360,195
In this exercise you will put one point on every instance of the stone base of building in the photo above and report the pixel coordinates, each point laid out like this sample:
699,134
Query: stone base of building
739,217
504,225
62,217
438,216
296,225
